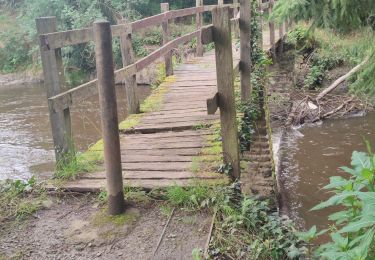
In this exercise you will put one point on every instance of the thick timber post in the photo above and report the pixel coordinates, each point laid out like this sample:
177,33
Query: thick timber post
225,86
166,35
131,81
272,30
245,61
108,107
54,82
260,22
220,2
281,35
199,25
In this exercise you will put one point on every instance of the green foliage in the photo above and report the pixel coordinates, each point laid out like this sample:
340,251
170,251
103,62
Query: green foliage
246,228
189,198
19,199
14,53
340,15
353,234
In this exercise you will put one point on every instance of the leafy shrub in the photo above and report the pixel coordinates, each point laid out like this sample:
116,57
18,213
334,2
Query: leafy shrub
14,53
353,234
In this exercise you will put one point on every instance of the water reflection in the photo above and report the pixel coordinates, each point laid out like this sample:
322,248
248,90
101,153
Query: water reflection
25,135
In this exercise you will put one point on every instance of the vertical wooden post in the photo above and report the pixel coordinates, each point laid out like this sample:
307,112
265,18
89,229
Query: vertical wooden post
108,107
281,36
54,82
131,81
220,2
199,25
166,35
245,62
260,21
225,86
235,14
272,30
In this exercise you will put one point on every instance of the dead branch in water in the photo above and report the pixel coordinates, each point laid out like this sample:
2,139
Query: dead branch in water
309,109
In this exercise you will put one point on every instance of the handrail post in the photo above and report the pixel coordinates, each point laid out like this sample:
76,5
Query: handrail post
225,86
260,21
108,107
272,30
245,62
281,36
235,14
199,49
127,55
54,82
166,35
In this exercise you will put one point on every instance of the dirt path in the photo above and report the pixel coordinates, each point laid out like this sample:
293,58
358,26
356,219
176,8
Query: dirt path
77,228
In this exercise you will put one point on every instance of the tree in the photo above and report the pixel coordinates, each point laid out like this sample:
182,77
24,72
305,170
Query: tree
340,15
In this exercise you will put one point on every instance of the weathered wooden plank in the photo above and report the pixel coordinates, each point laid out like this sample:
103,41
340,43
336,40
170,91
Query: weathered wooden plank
54,82
199,22
152,175
62,39
225,85
245,61
144,62
109,118
154,158
206,34
166,35
157,166
150,146
127,56
213,104
164,152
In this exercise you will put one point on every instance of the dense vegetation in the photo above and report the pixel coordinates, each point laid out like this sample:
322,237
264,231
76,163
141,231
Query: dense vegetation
344,31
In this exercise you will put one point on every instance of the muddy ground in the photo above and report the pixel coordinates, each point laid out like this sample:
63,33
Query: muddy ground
77,227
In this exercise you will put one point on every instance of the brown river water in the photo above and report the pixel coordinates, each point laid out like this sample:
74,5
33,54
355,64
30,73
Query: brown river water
26,146
310,155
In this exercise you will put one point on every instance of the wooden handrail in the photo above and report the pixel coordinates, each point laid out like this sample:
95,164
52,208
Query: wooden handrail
61,39
81,92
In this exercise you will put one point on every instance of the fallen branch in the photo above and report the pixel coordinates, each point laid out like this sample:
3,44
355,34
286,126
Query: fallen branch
162,234
339,80
334,110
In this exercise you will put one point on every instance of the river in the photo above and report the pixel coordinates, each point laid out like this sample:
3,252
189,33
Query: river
310,155
26,146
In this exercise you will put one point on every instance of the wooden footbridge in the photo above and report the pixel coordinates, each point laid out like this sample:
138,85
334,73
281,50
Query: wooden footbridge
160,148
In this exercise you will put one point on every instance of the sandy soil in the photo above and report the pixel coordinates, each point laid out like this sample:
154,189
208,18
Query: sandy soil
76,228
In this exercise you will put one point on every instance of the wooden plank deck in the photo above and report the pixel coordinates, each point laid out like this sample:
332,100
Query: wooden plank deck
159,151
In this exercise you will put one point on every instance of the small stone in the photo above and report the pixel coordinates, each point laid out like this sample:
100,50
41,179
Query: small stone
99,254
47,203
171,236
120,253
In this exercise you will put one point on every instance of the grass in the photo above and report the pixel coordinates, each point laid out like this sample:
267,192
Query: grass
20,199
102,218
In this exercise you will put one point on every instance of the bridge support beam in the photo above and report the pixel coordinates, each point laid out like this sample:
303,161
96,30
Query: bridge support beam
108,107
54,82
166,35
245,62
225,86
199,20
272,30
131,81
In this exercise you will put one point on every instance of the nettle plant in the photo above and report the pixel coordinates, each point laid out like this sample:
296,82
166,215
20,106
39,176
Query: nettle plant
353,234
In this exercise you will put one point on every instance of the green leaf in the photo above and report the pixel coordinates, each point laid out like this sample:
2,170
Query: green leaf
334,200
365,221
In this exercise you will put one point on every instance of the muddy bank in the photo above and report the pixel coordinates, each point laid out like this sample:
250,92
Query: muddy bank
75,227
